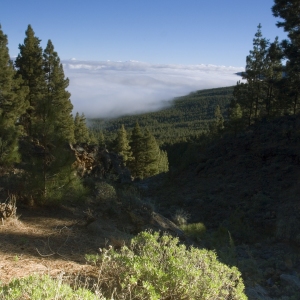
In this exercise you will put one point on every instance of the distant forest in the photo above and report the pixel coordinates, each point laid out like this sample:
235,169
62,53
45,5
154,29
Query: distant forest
186,119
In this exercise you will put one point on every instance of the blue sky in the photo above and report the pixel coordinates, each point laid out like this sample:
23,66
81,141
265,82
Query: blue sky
155,31
191,34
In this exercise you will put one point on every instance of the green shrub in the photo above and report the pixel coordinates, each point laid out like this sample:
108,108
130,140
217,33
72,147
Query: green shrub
194,230
157,267
181,217
37,288
105,191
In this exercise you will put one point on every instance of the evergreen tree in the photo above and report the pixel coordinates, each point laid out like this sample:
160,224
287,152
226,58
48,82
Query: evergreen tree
151,155
288,11
100,138
256,71
55,110
81,131
148,159
122,145
235,123
29,64
136,166
48,122
12,105
163,163
54,126
242,95
218,124
259,96
273,74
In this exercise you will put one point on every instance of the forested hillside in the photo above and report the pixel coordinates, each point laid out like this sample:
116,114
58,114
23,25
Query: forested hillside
186,118
102,214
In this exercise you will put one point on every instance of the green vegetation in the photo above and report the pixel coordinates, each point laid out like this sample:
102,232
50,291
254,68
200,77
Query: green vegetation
37,126
188,117
12,105
158,267
271,88
43,287
140,153
194,230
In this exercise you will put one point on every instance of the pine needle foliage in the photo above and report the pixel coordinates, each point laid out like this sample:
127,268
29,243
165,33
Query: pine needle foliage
12,105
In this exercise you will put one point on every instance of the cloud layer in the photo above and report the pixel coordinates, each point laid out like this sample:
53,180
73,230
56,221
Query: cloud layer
109,89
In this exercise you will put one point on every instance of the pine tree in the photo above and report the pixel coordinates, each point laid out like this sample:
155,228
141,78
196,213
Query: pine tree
29,64
273,74
12,105
259,96
81,131
148,159
122,145
55,111
54,126
151,155
48,122
256,71
100,138
163,163
242,95
218,124
288,11
236,122
136,166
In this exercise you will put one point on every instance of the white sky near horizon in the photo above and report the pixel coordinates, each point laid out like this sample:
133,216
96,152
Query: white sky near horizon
133,55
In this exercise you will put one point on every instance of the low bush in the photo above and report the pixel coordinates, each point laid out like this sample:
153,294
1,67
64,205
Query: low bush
194,230
37,288
157,267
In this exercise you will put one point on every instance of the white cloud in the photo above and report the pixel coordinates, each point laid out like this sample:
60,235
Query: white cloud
106,89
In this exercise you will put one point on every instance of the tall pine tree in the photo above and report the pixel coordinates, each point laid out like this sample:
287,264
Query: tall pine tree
256,72
48,122
288,11
55,111
12,105
29,64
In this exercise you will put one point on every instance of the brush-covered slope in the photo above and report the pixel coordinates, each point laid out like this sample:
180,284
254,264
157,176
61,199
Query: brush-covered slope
248,183
187,117
246,192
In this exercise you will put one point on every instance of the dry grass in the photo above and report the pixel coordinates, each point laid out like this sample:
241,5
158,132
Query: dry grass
49,242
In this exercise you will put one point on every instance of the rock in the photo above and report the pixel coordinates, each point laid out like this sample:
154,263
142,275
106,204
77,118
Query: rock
291,280
163,224
270,282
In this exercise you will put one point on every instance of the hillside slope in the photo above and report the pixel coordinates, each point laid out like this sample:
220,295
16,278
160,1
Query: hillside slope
245,190
187,117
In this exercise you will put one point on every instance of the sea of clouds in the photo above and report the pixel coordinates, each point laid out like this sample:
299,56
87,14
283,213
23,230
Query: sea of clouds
109,89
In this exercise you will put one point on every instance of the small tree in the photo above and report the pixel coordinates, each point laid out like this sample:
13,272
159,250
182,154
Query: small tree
218,124
136,166
81,131
151,155
235,118
122,145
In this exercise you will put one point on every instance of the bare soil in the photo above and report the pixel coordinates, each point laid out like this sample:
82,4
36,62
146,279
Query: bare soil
48,241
